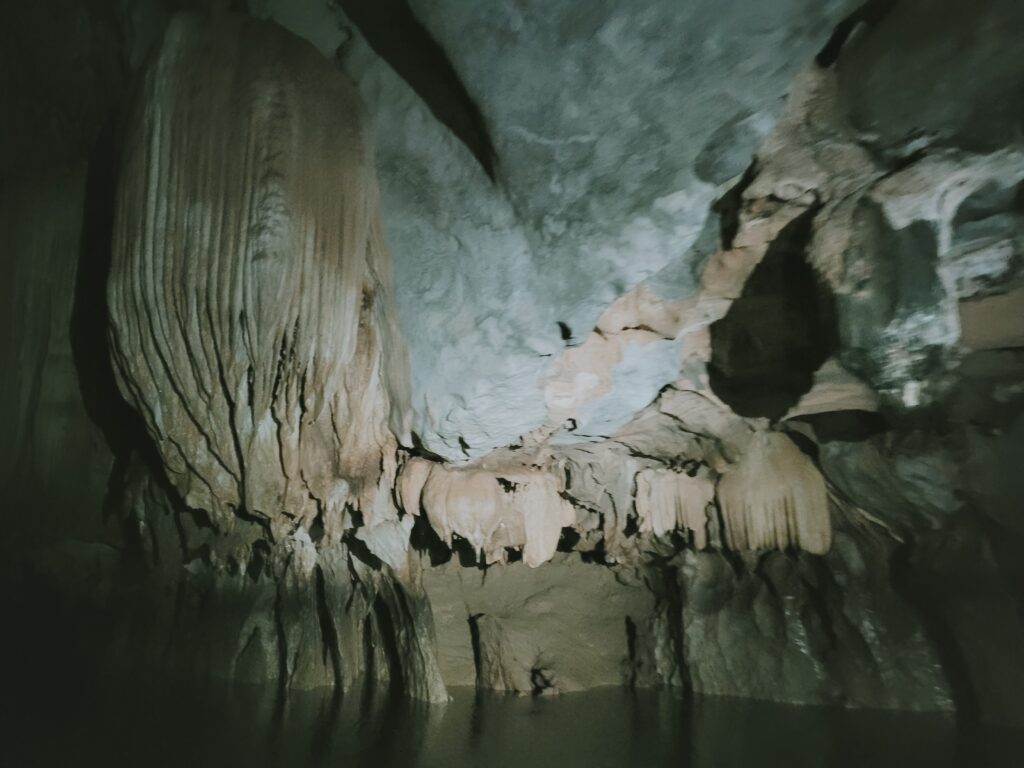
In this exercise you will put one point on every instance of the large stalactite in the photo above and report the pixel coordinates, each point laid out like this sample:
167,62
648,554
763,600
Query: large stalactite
252,327
249,289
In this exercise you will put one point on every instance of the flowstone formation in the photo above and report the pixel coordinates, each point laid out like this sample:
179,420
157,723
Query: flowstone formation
252,329
649,370
250,287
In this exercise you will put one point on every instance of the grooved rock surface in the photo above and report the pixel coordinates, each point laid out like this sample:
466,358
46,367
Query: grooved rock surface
249,289
235,606
774,498
564,491
808,630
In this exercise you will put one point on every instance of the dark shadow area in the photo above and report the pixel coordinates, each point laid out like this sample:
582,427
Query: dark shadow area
169,722
328,632
391,615
1007,545
908,585
357,547
424,538
596,556
568,539
846,426
468,556
122,427
394,32
872,12
418,449
474,639
806,445
728,207
764,352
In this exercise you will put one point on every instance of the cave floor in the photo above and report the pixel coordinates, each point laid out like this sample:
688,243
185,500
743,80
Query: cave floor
139,724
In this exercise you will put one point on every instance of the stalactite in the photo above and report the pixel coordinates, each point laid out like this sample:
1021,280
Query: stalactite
666,500
775,497
492,508
249,289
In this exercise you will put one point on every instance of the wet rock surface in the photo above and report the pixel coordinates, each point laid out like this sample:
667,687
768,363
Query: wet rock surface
689,361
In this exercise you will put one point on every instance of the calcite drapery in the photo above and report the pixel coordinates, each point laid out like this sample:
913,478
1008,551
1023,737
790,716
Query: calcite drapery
919,240
666,499
492,507
249,286
775,497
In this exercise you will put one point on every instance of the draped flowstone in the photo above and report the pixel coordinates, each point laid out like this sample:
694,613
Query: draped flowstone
249,287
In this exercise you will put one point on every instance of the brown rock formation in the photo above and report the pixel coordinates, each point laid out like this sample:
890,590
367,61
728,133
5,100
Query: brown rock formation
249,286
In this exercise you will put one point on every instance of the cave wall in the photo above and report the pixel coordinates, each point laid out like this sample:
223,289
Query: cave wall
61,81
49,431
576,216
554,494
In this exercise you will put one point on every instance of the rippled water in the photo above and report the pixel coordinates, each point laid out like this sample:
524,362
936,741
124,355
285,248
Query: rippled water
149,725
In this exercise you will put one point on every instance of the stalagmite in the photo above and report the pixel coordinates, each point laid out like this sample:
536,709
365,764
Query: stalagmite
775,498
249,287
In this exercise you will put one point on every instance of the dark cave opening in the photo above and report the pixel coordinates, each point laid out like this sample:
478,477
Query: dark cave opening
394,32
764,352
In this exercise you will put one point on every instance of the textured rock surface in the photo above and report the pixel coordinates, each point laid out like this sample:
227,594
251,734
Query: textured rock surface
581,213
708,388
251,313
611,166
249,287
239,607
565,627
808,630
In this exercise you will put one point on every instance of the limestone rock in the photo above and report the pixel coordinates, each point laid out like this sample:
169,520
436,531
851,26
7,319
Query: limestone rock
666,500
807,630
580,214
492,507
775,497
558,493
566,626
249,290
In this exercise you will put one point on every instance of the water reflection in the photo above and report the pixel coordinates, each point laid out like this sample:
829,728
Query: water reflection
149,725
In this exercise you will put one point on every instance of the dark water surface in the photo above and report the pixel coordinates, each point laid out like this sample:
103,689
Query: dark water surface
149,725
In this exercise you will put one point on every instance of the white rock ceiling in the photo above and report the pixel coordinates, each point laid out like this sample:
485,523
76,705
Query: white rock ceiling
615,128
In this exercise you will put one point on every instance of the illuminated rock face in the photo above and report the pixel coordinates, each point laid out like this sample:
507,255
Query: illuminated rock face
251,327
250,290
608,160
693,376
